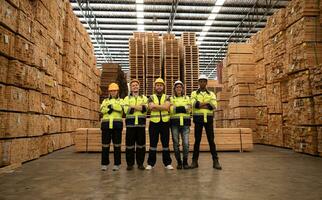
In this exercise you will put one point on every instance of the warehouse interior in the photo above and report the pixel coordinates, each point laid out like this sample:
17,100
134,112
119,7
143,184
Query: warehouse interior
262,58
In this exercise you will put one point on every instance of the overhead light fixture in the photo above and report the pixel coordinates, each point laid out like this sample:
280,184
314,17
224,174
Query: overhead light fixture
140,14
210,20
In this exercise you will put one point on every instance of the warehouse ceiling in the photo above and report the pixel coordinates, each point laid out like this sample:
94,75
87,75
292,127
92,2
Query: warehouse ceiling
216,22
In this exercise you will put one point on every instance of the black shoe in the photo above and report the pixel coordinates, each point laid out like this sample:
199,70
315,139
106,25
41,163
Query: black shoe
129,168
185,163
216,165
179,166
194,164
141,167
186,166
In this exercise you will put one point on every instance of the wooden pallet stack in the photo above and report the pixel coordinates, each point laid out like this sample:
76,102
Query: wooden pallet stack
137,58
171,56
43,100
190,61
153,60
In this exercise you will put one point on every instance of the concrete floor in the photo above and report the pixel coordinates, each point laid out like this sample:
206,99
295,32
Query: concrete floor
266,173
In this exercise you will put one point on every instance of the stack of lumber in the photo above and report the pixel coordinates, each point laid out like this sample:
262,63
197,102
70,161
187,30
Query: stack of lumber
236,100
49,83
223,96
288,93
227,139
190,57
112,72
171,61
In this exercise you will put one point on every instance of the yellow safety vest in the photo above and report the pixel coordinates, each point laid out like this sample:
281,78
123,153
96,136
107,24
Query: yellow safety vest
116,115
138,118
157,116
203,97
182,118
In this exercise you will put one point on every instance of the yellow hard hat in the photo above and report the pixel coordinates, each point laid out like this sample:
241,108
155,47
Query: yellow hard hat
159,80
134,80
113,86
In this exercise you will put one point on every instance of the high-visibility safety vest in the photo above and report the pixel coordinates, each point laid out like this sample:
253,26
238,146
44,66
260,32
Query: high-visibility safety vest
115,117
137,118
203,114
180,119
157,116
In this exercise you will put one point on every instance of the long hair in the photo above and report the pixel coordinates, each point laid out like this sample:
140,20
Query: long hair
174,90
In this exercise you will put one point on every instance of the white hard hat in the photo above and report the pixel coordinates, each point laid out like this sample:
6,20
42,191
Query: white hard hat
178,82
203,77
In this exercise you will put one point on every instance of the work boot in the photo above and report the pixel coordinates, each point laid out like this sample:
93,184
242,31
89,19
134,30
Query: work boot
216,164
141,167
129,168
194,164
179,165
185,164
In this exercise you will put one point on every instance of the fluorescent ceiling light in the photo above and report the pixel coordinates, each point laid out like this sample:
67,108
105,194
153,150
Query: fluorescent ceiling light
211,19
220,2
140,14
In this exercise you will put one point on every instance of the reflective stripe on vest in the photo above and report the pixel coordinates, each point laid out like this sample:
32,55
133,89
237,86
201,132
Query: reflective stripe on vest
135,101
156,115
180,101
203,97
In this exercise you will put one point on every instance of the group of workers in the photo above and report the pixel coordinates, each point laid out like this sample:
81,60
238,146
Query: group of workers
165,113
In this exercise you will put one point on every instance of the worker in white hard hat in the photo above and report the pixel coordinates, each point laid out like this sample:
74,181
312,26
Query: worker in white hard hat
135,108
111,127
203,105
180,123
159,104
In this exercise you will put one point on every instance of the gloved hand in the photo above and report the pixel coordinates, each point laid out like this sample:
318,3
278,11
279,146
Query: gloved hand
197,105
131,111
110,111
181,109
209,106
143,109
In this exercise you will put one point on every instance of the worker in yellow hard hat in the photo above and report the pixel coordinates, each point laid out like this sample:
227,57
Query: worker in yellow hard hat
135,108
159,105
111,126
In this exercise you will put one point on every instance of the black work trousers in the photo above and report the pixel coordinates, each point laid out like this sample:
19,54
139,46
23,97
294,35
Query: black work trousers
115,135
135,145
155,130
209,126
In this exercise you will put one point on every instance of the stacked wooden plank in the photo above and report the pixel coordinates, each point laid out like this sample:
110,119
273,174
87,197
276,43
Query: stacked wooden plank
304,52
49,83
223,96
190,57
241,79
227,139
171,61
288,80
111,72
137,58
153,60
